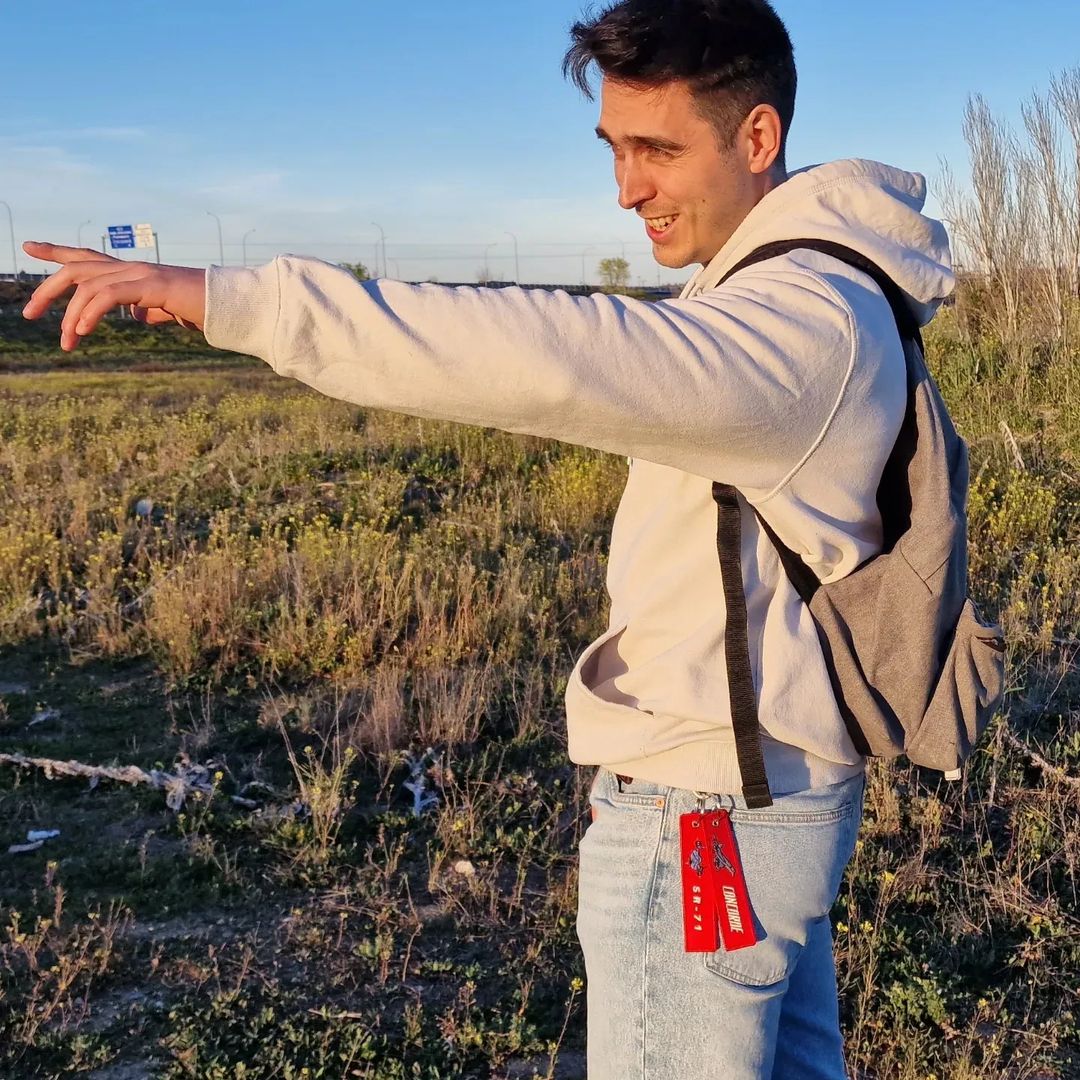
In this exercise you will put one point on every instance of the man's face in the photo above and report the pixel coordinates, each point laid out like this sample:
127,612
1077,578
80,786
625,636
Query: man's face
669,165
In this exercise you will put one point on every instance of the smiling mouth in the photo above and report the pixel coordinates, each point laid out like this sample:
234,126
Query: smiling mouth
661,224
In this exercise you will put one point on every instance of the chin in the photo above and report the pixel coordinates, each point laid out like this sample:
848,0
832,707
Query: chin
673,260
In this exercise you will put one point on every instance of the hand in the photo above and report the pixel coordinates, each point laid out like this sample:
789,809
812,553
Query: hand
155,294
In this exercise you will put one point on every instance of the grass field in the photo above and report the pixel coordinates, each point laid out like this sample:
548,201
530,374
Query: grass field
205,565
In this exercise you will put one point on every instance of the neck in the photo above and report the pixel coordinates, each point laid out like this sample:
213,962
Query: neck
762,186
772,179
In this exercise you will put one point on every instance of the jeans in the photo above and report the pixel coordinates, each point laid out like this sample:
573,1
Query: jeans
767,1012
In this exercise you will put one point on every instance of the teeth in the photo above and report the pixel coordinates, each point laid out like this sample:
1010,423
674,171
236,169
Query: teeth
660,223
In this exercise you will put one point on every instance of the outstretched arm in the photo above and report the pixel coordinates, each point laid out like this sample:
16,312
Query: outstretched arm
736,385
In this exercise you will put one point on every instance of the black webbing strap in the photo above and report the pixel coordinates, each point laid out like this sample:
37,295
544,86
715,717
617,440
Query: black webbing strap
905,320
743,699
741,694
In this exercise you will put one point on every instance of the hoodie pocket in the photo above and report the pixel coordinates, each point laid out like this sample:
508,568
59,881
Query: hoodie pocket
600,730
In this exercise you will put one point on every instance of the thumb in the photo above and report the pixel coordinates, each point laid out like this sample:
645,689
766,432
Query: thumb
150,316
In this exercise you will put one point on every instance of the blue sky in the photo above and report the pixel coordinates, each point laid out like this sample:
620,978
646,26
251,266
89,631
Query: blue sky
447,123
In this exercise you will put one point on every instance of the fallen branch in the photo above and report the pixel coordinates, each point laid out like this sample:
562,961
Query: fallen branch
1037,759
187,780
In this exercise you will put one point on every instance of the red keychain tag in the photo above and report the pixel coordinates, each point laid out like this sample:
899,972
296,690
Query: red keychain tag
728,886
699,905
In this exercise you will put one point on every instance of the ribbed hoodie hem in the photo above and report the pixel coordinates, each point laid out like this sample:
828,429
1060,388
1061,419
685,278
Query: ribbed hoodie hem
242,306
600,730
713,767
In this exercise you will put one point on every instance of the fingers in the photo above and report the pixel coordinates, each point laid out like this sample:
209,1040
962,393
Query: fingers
53,287
59,254
95,297
85,291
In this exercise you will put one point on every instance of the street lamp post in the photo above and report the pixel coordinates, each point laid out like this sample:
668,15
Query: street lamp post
11,227
587,251
78,233
517,268
221,242
382,240
243,244
487,272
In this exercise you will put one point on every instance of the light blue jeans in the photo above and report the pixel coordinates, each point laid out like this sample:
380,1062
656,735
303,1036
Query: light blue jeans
767,1012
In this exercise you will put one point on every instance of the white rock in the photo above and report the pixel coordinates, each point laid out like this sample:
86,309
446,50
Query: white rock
36,835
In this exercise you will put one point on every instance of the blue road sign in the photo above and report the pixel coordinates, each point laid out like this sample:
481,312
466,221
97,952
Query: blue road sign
121,236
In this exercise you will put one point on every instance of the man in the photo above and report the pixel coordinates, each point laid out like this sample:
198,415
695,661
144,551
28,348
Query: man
787,381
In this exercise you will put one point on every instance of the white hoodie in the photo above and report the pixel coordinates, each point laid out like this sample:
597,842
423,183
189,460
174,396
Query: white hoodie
787,382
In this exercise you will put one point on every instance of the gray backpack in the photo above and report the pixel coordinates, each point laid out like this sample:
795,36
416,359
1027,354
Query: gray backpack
914,668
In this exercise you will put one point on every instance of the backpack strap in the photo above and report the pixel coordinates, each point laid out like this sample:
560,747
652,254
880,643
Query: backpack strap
741,693
905,320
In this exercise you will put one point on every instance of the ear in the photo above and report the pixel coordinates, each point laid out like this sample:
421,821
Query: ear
763,133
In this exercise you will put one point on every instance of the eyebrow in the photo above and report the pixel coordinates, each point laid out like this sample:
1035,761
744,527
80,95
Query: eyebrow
643,140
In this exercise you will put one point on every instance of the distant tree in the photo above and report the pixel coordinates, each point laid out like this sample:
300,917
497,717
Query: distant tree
614,273
358,270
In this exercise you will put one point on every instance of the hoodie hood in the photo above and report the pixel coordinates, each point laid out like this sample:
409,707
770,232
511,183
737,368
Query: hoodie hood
873,208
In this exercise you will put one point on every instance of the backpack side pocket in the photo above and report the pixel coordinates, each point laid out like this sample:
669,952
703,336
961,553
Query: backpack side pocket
968,693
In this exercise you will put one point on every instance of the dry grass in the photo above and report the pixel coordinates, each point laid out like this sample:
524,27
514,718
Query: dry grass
319,595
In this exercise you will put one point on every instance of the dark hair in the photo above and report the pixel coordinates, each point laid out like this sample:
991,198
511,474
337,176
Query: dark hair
735,54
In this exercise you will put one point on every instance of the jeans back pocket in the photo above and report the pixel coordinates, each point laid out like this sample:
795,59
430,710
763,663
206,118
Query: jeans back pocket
793,855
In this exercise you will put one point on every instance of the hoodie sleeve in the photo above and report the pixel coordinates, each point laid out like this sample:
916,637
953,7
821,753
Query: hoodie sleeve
737,384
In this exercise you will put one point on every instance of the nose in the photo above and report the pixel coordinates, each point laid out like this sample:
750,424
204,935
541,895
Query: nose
635,187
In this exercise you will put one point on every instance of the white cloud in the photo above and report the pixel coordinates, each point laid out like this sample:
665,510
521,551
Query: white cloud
244,186
41,162
106,134
86,134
